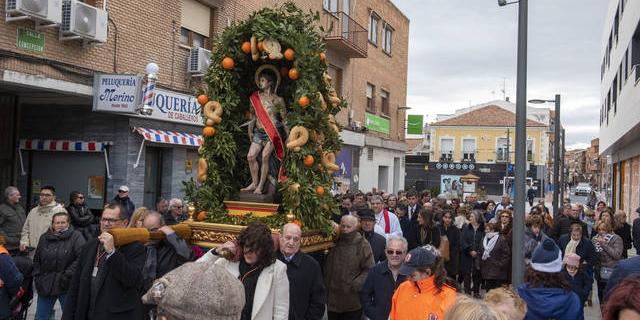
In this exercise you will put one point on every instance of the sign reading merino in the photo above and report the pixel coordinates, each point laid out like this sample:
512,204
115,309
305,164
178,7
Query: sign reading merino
119,93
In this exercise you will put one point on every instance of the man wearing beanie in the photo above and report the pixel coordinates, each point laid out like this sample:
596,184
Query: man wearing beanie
547,294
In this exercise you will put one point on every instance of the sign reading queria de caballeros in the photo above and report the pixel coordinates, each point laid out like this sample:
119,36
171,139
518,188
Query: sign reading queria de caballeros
176,107
116,93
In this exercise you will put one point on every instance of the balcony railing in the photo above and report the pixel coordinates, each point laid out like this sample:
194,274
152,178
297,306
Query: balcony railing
345,35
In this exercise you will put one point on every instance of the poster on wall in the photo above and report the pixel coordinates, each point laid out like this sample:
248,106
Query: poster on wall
342,177
95,188
451,186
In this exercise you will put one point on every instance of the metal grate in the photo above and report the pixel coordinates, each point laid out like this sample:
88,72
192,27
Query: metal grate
65,26
369,153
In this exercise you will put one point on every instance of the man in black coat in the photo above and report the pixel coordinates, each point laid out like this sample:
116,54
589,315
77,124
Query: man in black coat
383,280
414,207
122,198
107,281
376,241
307,293
562,225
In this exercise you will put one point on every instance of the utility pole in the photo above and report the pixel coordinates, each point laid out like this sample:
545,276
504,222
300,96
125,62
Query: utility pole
562,173
556,158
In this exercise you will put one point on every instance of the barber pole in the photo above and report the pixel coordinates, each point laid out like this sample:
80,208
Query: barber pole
149,90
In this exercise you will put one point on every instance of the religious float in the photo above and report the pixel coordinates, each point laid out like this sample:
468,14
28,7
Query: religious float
270,137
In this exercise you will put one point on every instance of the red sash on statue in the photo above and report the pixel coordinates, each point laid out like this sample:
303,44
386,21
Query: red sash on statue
387,223
270,129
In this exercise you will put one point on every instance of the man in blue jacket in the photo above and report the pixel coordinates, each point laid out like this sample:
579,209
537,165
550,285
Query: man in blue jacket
383,279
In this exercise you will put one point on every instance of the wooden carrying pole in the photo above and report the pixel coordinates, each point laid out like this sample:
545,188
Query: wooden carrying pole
126,236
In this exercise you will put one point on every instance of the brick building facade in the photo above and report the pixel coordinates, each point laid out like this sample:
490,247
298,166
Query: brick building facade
47,96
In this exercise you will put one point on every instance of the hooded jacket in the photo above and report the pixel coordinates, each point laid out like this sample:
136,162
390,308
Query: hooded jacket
550,303
55,261
421,300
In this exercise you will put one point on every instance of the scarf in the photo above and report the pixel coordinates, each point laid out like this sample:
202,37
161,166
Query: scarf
607,237
489,242
571,247
150,266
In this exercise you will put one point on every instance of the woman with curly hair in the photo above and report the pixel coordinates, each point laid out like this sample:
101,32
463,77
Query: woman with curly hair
252,260
547,294
424,295
624,300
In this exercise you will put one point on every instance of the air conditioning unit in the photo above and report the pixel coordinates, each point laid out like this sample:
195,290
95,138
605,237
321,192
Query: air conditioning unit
40,10
83,21
199,60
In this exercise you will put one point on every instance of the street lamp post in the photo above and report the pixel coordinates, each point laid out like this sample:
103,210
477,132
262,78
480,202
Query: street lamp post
404,127
556,151
517,257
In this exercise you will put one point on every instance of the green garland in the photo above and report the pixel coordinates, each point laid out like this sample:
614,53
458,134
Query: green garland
225,152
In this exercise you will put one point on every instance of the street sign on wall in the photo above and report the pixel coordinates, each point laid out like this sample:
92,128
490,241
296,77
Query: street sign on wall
375,123
117,93
30,40
414,123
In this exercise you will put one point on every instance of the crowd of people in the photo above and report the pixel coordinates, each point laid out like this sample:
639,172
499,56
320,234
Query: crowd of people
396,256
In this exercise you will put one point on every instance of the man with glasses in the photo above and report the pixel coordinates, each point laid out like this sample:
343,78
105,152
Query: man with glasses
383,279
122,198
175,214
39,218
307,294
12,217
107,280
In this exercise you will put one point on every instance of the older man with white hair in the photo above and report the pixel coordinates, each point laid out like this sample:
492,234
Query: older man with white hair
307,294
12,217
175,214
383,279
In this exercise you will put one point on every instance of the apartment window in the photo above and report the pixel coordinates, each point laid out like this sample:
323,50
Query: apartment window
446,149
626,65
330,5
336,78
371,90
616,23
384,102
529,150
468,149
614,95
502,149
195,30
387,39
374,20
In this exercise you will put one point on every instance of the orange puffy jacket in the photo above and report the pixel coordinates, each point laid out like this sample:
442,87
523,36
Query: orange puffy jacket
421,300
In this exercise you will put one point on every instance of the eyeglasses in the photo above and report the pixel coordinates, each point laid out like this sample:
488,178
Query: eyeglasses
107,220
396,252
46,195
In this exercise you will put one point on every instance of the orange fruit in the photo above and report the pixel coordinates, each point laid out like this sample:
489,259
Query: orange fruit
203,99
323,56
201,216
293,74
298,222
246,47
208,131
284,72
289,54
227,63
261,46
320,190
308,161
303,102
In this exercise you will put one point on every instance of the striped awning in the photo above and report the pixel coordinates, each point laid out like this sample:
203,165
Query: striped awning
171,137
61,145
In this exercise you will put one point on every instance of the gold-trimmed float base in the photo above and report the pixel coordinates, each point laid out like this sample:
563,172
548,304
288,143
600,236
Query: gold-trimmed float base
211,235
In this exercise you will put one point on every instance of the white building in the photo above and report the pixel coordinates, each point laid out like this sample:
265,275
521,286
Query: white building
620,97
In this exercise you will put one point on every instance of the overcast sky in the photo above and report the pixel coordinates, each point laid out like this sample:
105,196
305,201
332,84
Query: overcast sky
460,51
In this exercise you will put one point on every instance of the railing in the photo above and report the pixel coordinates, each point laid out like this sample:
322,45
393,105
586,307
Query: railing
339,26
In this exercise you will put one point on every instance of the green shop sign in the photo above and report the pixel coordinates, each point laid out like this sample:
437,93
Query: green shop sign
30,40
375,123
414,123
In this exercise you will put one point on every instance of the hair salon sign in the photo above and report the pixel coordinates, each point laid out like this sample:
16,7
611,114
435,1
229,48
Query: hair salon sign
118,93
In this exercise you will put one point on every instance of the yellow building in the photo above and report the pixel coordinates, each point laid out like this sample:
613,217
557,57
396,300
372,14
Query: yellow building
480,140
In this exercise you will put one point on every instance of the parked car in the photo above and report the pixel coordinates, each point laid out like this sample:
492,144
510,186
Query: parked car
583,188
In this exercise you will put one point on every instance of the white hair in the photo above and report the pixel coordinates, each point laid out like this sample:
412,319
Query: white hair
175,202
401,239
9,191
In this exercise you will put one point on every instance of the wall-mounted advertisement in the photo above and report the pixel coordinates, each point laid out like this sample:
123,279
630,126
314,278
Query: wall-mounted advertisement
451,186
118,93
342,177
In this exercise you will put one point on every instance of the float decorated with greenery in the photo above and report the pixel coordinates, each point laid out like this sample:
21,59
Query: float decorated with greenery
287,43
